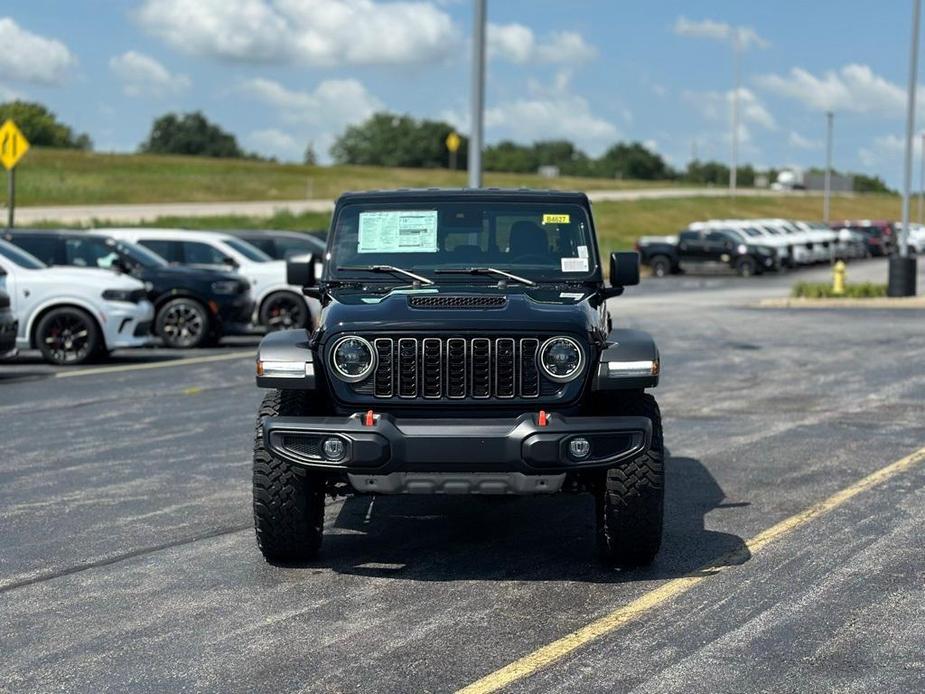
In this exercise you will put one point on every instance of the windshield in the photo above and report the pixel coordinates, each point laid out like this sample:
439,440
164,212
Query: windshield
20,257
537,240
248,251
141,255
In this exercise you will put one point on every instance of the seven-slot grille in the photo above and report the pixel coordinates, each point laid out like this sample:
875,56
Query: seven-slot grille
456,367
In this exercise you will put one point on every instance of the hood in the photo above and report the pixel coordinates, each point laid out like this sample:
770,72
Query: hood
90,277
463,309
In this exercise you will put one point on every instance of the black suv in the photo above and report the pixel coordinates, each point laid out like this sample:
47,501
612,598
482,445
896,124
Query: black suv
280,245
464,347
193,307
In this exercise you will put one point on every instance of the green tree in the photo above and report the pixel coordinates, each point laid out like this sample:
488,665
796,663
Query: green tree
192,134
310,158
707,173
386,139
41,127
870,184
633,161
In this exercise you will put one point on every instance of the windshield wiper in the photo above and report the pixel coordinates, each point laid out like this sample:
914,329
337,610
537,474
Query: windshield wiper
485,271
386,268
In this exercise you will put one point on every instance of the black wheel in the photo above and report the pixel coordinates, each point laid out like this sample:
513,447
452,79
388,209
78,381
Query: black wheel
661,265
183,323
67,335
282,311
631,499
746,267
288,502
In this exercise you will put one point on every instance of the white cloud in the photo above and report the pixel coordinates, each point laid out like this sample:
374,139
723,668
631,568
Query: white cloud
277,143
888,151
7,94
719,31
549,113
853,88
332,104
318,115
28,57
142,75
329,33
794,139
717,107
517,43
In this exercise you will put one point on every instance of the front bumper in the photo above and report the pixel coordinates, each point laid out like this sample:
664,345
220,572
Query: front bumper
127,325
234,315
389,444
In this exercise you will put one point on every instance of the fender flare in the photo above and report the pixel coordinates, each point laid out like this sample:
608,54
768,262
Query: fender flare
629,361
287,347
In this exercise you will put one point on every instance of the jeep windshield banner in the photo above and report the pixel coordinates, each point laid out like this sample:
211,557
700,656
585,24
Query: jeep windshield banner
398,231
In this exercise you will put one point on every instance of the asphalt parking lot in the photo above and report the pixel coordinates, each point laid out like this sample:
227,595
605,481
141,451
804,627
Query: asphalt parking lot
128,558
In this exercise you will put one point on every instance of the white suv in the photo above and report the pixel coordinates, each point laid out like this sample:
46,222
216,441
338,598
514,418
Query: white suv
73,314
278,305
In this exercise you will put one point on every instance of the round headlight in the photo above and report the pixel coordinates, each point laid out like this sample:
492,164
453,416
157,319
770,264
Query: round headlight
353,358
560,358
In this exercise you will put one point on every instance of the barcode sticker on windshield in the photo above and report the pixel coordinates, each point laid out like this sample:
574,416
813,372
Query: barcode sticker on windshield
398,231
574,264
556,219
582,251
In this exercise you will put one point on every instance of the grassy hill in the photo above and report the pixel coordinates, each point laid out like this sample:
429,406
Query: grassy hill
618,224
49,177
70,177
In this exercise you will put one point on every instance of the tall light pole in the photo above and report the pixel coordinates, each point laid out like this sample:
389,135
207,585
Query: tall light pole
737,60
478,94
829,117
922,179
902,267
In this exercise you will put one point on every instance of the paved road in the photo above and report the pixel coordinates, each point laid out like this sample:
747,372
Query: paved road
147,212
128,560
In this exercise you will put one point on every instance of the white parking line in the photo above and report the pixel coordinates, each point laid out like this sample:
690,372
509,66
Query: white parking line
155,365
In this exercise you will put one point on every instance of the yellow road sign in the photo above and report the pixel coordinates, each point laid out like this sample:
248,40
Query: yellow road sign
13,144
453,142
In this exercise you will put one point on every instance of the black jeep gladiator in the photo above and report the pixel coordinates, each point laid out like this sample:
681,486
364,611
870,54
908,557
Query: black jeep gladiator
464,347
698,247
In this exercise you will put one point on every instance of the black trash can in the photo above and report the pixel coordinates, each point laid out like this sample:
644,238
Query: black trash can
902,276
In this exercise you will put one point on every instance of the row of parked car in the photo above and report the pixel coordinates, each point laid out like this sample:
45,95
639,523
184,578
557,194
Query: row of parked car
76,295
754,246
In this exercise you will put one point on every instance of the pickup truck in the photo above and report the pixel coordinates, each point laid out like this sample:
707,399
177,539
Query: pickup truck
698,247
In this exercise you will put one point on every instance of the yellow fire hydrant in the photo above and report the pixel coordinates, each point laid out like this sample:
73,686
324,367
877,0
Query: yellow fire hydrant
838,278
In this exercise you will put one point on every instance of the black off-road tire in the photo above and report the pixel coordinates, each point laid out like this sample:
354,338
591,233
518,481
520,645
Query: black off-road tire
288,501
631,499
661,266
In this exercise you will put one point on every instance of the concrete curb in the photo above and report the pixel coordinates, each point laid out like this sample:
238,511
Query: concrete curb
911,302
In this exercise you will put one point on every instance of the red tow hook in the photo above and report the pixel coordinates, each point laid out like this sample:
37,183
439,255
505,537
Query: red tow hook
370,419
543,418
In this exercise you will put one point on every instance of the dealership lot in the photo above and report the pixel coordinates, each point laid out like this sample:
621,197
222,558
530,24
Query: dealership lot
129,560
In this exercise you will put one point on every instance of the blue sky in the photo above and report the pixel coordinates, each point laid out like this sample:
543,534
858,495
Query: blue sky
282,73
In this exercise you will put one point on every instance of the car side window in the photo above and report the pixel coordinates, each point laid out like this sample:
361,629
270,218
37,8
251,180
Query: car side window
268,246
89,253
690,236
165,249
197,253
717,237
44,248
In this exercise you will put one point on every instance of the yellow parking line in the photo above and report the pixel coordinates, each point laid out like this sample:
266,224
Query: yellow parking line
548,654
154,365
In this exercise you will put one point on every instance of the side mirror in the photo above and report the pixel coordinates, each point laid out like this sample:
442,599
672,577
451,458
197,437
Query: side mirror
230,262
300,270
624,269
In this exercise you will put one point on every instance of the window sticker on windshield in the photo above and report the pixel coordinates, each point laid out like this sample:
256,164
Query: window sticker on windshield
582,251
556,219
574,264
398,231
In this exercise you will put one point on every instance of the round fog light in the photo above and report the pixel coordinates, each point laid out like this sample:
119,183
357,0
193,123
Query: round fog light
334,449
579,448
